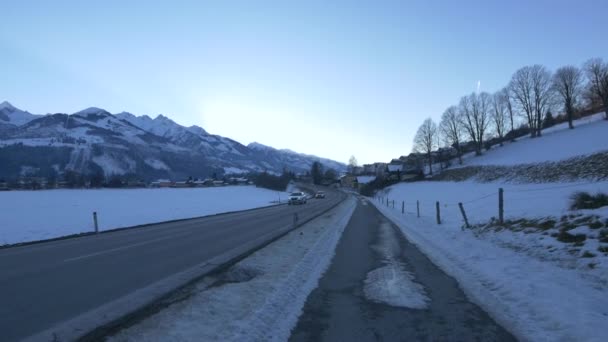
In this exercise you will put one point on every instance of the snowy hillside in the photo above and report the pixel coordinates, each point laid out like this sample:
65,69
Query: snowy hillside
288,157
13,116
590,135
94,141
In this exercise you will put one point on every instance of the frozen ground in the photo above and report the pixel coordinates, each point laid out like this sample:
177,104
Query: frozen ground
38,215
539,288
258,299
557,143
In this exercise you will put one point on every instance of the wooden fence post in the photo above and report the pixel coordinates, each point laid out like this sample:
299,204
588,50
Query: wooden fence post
464,215
295,219
501,208
403,207
418,208
438,212
95,222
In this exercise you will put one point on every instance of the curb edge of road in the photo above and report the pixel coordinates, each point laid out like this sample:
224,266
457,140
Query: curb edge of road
111,317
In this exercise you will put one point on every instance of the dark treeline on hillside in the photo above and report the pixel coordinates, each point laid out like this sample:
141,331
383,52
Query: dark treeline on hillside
273,182
526,105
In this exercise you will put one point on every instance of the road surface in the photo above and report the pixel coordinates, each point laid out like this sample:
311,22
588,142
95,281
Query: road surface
43,285
340,309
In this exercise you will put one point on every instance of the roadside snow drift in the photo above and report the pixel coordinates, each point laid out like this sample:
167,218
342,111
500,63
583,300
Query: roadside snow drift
39,215
258,299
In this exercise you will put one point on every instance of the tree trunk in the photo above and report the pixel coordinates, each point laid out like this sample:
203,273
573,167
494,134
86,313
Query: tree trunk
570,115
430,165
459,154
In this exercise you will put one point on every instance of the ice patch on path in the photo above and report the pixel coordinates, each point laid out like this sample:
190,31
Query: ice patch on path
391,284
394,286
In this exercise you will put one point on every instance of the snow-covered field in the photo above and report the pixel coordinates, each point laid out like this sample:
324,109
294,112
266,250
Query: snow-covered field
38,215
590,135
480,200
258,299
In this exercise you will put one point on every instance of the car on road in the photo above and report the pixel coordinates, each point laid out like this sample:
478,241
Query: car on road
320,194
297,198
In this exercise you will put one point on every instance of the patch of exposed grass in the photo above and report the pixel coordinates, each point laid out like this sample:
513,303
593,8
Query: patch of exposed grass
603,236
564,236
547,224
584,200
603,249
588,254
583,220
567,226
595,225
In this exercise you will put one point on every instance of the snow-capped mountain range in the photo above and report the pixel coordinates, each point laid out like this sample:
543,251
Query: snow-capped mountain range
95,141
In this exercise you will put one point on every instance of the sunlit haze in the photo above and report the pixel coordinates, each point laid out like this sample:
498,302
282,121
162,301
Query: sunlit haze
330,78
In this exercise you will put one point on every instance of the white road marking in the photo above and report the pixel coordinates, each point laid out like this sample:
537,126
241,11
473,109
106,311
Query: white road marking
118,249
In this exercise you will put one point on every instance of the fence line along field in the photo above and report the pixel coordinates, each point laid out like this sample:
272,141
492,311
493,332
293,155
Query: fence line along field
38,215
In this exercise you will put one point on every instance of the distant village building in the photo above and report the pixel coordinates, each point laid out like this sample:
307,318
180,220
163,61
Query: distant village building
161,183
357,170
348,181
365,179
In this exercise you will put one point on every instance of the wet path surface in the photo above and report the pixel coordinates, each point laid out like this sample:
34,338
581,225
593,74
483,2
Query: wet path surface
379,287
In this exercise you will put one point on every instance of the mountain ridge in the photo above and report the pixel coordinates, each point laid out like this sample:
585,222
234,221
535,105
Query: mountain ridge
94,141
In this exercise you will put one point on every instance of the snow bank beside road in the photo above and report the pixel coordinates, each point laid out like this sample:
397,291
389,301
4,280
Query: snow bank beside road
258,299
533,298
39,215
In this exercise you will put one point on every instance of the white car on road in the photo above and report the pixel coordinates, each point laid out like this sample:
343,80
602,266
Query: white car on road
297,198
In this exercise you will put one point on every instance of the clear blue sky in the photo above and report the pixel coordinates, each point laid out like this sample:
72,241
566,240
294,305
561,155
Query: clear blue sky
331,78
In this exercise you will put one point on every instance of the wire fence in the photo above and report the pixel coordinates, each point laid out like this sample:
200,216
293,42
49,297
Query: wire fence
492,206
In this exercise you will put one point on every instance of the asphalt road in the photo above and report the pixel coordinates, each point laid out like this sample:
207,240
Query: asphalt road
339,310
44,284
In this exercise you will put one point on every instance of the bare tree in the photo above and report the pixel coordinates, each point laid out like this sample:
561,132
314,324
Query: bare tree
597,73
499,114
532,91
507,98
352,164
567,82
426,140
521,87
543,94
475,111
450,128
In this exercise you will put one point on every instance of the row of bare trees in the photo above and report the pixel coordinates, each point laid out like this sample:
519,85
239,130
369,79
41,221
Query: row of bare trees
532,92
